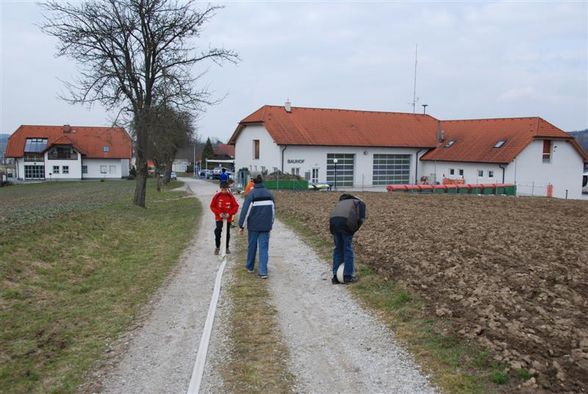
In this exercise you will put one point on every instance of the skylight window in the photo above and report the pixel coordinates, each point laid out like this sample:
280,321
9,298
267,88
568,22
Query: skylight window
449,143
105,148
35,145
500,143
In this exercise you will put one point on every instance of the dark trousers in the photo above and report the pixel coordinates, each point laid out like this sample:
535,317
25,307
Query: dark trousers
218,231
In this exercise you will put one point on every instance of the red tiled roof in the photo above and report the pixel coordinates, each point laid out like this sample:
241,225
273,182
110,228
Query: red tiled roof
338,127
90,141
475,139
225,150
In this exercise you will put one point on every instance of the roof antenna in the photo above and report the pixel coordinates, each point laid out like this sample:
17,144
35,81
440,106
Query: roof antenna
414,97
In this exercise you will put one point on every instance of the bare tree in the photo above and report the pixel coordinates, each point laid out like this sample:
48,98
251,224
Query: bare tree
169,130
134,54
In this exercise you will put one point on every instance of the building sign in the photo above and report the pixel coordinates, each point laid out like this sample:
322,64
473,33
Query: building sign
295,161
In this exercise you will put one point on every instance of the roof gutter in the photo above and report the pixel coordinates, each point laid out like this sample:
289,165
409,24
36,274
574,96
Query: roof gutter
501,166
285,147
416,167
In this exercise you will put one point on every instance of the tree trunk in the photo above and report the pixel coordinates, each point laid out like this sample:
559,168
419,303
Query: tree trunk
141,185
158,175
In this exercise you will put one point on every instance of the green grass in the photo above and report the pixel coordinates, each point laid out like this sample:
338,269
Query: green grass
74,280
258,362
455,365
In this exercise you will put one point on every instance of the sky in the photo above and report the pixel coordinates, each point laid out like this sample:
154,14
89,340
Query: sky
476,59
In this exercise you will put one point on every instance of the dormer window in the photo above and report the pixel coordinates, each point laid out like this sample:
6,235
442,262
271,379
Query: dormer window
105,148
500,143
449,143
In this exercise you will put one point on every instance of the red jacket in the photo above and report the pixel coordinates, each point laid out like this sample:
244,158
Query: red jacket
224,203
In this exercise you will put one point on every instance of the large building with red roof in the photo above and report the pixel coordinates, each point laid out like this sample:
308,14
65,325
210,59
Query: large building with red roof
362,149
70,152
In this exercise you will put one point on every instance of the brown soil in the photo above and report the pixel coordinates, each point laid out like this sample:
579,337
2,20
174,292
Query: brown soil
509,272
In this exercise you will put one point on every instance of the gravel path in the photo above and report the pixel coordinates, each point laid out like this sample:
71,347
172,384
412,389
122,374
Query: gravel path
335,345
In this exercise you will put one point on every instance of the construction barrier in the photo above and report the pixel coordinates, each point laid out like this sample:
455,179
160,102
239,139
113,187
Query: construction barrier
456,188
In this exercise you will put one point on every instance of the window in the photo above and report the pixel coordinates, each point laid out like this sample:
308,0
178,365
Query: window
490,174
33,157
451,171
105,148
461,171
315,175
500,143
112,170
84,169
103,169
56,169
62,153
34,172
546,151
256,149
295,171
35,145
65,169
480,173
449,143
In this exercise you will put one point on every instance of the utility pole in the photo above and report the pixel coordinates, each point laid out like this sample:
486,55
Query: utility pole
414,98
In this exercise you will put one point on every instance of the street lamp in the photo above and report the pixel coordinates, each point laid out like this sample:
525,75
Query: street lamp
335,161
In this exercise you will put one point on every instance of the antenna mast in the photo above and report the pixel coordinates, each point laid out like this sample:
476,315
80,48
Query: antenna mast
414,98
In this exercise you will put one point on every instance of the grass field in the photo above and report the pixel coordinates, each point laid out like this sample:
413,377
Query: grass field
77,262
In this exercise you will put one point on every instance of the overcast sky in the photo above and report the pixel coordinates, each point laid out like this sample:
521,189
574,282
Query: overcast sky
475,60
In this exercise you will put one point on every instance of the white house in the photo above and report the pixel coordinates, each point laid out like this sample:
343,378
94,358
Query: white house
350,148
70,152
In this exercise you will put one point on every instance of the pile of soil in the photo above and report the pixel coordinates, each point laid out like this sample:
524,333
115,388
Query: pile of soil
509,272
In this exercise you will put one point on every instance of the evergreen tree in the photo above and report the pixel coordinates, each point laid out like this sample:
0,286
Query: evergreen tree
208,151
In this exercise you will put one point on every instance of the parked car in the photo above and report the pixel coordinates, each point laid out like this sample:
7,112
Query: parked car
319,186
217,171
206,174
173,176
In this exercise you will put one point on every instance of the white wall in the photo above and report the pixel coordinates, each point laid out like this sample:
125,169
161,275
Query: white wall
75,168
437,170
563,171
114,168
269,152
309,157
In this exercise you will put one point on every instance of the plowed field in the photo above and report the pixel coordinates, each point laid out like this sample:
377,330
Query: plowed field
509,272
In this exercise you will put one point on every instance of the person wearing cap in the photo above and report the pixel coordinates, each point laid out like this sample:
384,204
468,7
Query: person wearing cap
258,215
224,206
346,218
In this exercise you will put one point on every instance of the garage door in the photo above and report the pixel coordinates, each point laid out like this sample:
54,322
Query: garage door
340,173
391,169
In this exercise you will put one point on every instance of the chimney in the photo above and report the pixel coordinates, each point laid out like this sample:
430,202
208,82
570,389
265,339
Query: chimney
288,105
66,129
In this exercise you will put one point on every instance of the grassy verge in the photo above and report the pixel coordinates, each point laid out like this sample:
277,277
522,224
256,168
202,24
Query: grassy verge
455,366
258,362
71,283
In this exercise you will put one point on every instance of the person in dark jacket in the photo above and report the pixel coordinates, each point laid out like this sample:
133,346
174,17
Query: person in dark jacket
258,215
346,218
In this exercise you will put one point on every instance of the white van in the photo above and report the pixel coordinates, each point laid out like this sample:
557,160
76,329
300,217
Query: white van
585,183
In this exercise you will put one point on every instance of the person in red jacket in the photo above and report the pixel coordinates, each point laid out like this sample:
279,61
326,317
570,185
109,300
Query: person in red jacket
225,206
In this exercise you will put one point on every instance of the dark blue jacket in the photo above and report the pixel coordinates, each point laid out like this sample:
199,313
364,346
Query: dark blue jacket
258,209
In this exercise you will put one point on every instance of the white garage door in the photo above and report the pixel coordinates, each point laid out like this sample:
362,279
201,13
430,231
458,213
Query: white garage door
391,169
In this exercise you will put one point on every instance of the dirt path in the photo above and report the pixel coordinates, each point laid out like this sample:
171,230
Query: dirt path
160,354
335,345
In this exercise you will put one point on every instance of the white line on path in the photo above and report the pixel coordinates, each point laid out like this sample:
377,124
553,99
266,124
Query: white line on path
198,370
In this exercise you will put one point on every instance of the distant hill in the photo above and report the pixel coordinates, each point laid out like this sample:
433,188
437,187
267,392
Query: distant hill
582,137
3,142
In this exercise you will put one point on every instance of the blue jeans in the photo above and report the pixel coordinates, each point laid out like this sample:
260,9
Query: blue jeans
255,238
343,253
